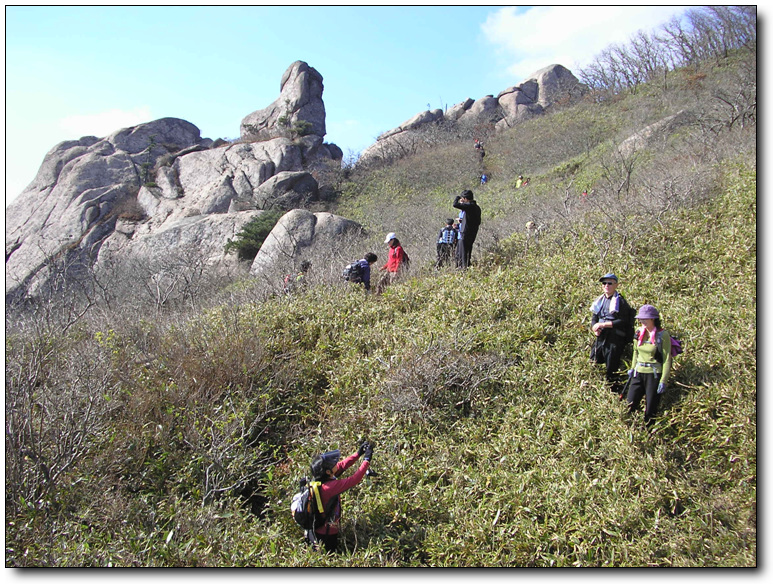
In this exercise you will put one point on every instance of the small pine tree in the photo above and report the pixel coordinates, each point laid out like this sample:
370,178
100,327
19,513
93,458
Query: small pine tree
248,241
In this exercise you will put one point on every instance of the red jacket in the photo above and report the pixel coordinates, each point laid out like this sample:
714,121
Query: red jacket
333,487
395,260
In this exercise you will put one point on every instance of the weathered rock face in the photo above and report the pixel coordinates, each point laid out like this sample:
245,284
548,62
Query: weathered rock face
131,192
300,100
297,232
201,236
80,189
512,106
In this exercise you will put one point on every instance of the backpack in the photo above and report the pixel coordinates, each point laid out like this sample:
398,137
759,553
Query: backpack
406,263
676,346
353,272
447,235
306,507
630,329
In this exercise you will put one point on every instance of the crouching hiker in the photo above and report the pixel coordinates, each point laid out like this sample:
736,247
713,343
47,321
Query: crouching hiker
651,364
326,469
359,272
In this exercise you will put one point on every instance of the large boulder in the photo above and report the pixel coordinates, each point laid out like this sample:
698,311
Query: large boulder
300,232
287,190
299,101
203,237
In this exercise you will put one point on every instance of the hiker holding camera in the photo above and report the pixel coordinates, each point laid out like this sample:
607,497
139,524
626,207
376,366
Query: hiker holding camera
326,468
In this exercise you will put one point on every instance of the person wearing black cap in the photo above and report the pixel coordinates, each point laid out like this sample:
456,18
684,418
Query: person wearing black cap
326,468
611,323
468,228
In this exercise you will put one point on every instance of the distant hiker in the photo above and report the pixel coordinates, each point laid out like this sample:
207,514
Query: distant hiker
651,363
519,181
483,179
532,233
359,272
295,282
478,144
526,182
396,264
468,229
326,469
446,243
584,195
612,323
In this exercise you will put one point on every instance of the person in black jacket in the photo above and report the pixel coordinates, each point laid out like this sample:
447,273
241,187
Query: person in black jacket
611,323
468,228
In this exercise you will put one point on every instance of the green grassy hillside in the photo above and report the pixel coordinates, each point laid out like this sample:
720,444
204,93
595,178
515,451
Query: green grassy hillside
178,439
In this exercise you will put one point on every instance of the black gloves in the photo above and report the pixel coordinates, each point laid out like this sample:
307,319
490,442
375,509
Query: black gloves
368,452
363,447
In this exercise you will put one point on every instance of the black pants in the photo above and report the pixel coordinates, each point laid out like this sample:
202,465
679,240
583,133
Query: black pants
608,349
444,252
464,251
317,540
644,385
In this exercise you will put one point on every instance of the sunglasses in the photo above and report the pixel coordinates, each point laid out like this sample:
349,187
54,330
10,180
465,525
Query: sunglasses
608,283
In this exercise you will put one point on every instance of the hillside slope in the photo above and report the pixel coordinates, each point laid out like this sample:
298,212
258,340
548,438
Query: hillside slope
141,434
496,443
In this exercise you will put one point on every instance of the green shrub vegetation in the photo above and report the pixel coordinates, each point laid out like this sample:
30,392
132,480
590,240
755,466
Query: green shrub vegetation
180,441
248,241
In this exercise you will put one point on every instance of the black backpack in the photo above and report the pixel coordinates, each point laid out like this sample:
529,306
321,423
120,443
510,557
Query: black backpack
630,321
353,272
306,507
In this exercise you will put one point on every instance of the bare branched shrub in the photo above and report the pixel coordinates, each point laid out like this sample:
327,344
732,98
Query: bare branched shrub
441,377
56,404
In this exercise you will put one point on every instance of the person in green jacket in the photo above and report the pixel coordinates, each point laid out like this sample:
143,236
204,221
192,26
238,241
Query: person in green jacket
651,363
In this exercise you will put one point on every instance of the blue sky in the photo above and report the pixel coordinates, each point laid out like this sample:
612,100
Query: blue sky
78,71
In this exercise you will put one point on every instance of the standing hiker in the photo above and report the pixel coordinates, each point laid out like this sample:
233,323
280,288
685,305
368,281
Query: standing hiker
612,324
468,229
396,264
446,243
651,363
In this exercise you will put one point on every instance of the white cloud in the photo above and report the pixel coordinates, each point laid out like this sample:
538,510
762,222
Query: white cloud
104,123
568,35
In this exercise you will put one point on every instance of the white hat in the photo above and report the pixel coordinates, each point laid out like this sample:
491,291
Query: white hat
390,237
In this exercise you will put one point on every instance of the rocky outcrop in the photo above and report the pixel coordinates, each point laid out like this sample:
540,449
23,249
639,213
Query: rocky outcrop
80,189
296,234
131,192
299,106
200,236
516,104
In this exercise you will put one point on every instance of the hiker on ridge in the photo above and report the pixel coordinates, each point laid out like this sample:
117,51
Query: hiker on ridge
611,323
468,228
